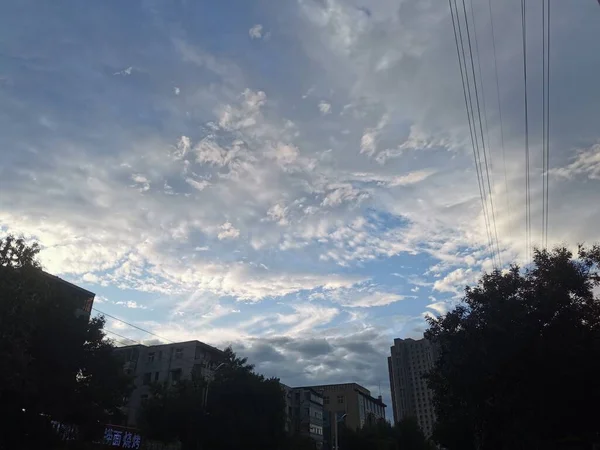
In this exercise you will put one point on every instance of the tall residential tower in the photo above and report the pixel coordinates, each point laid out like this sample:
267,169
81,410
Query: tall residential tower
410,359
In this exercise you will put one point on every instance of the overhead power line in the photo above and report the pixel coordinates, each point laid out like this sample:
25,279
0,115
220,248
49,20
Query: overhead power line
527,181
507,198
460,52
133,326
122,337
487,155
134,341
465,56
546,117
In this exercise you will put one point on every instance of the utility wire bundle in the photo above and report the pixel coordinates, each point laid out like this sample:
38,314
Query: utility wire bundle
473,90
471,85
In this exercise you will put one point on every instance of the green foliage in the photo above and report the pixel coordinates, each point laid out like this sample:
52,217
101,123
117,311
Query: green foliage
16,253
242,407
56,365
518,358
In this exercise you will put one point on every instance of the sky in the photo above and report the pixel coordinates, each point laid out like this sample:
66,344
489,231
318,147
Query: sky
294,179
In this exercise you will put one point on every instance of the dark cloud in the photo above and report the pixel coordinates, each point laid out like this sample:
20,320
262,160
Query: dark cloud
359,357
311,348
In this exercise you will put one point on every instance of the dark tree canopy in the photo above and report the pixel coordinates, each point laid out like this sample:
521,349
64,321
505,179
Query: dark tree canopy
56,364
519,362
243,409
381,435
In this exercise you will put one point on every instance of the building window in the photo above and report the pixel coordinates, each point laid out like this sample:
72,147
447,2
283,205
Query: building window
326,400
147,378
156,376
179,353
151,357
160,355
175,375
340,399
87,307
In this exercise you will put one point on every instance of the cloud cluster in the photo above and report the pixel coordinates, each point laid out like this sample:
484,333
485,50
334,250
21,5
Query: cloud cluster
324,181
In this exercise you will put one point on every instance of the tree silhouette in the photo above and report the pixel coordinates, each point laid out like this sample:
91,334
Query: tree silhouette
244,410
56,365
518,364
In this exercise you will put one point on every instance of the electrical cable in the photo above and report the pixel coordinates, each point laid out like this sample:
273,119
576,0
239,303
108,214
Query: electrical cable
461,56
546,118
507,198
131,325
527,181
487,153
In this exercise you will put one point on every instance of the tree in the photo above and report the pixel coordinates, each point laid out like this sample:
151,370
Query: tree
381,435
244,409
56,365
176,413
299,442
410,436
518,358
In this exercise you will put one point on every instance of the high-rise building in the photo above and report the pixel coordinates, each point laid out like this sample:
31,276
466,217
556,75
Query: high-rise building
164,363
350,403
304,413
410,359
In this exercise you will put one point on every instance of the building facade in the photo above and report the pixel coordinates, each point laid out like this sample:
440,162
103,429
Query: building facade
164,363
409,360
83,298
304,413
350,403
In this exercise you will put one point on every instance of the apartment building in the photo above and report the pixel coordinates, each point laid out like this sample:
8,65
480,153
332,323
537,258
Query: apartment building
83,298
410,359
304,413
350,403
164,363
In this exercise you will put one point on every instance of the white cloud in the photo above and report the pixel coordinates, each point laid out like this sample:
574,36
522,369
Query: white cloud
90,278
392,180
368,141
455,281
284,154
176,90
228,231
142,181
183,146
306,317
124,72
256,31
586,162
343,193
199,185
439,307
131,304
277,213
374,299
324,107
246,115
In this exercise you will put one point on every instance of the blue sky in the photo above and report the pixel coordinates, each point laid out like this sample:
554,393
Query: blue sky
292,178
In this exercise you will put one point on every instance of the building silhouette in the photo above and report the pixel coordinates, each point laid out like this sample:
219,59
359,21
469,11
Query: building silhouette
409,360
